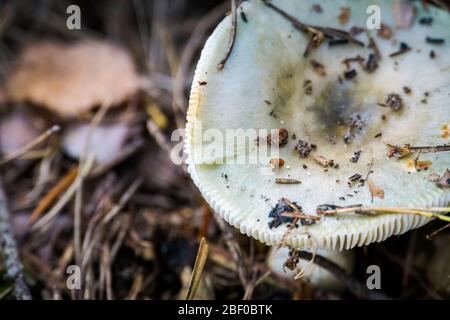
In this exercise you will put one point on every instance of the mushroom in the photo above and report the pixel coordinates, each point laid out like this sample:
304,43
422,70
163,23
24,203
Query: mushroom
350,98
71,79
313,274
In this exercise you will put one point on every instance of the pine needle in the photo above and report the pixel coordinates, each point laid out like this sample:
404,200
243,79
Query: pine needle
50,197
32,144
199,265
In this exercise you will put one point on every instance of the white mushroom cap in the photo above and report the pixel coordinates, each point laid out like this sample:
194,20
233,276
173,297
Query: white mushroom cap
264,76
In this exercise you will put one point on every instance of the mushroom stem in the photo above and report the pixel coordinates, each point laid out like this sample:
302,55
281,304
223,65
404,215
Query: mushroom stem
354,286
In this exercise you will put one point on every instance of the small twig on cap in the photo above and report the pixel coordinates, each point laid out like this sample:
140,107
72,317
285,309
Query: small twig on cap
318,33
401,151
359,209
232,40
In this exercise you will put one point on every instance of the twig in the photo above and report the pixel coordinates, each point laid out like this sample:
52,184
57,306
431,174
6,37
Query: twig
195,41
199,265
351,283
317,32
136,287
123,200
232,40
20,152
85,153
435,232
8,249
401,151
358,209
158,135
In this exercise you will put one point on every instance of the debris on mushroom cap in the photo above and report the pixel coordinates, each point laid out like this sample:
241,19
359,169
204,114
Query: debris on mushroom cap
304,148
279,137
276,163
70,79
313,274
340,117
444,181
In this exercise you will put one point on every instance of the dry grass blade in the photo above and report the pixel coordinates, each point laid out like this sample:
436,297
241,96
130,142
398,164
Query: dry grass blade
425,212
123,200
20,152
136,287
189,52
199,265
66,197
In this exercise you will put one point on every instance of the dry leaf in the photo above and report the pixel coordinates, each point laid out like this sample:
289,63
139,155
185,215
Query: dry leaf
375,191
404,13
70,79
344,17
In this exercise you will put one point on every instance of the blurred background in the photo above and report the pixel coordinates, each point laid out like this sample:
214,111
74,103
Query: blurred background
86,118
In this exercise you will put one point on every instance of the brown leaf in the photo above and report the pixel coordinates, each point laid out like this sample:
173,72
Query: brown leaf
70,79
375,191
